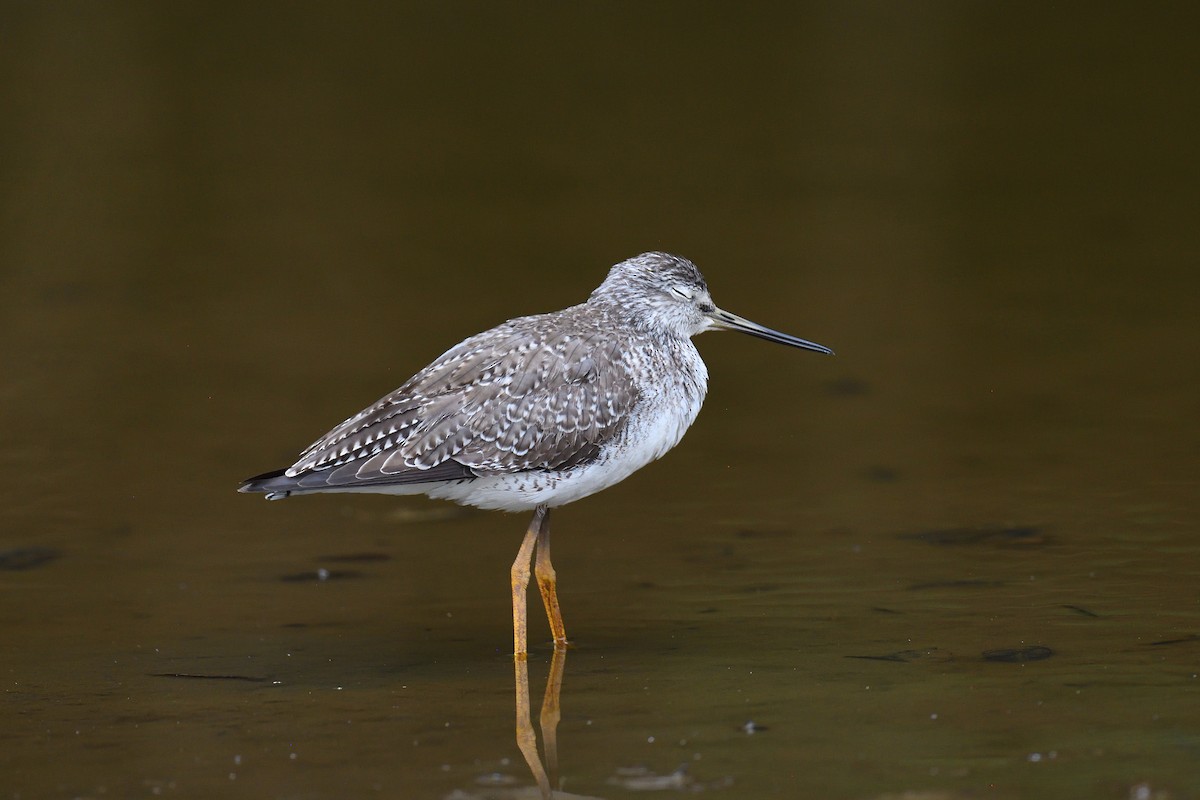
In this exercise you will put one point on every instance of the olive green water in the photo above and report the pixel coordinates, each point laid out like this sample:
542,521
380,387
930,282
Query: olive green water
961,559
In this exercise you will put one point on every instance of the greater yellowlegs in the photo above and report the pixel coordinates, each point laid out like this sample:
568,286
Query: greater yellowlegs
537,412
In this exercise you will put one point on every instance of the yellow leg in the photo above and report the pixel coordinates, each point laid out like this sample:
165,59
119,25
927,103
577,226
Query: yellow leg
547,582
520,582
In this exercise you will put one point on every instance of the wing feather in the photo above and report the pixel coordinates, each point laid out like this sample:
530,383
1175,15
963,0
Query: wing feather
527,395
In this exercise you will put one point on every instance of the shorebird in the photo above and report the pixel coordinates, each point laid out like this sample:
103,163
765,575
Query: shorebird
537,412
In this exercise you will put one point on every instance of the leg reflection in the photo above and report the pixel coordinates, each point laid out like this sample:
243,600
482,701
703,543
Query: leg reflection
550,712
526,738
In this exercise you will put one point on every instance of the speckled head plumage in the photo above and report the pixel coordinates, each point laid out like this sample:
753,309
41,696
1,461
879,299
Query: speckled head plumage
653,271
659,293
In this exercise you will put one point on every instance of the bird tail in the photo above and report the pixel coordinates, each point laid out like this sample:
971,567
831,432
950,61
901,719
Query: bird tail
275,484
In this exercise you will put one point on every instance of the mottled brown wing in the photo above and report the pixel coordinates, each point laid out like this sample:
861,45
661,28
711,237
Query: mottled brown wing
523,396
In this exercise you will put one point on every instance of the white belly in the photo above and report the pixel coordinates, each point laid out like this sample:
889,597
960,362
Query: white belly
651,432
664,411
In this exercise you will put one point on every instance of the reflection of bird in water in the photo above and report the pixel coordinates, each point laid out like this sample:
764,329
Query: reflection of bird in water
546,774
537,412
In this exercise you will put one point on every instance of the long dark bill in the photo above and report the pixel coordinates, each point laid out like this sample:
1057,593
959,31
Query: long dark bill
723,319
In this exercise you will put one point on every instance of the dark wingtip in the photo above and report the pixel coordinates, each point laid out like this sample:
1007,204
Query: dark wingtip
263,483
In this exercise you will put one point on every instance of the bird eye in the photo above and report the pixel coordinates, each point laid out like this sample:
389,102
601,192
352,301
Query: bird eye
681,292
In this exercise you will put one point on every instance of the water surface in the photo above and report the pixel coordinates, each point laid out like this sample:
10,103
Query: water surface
957,560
